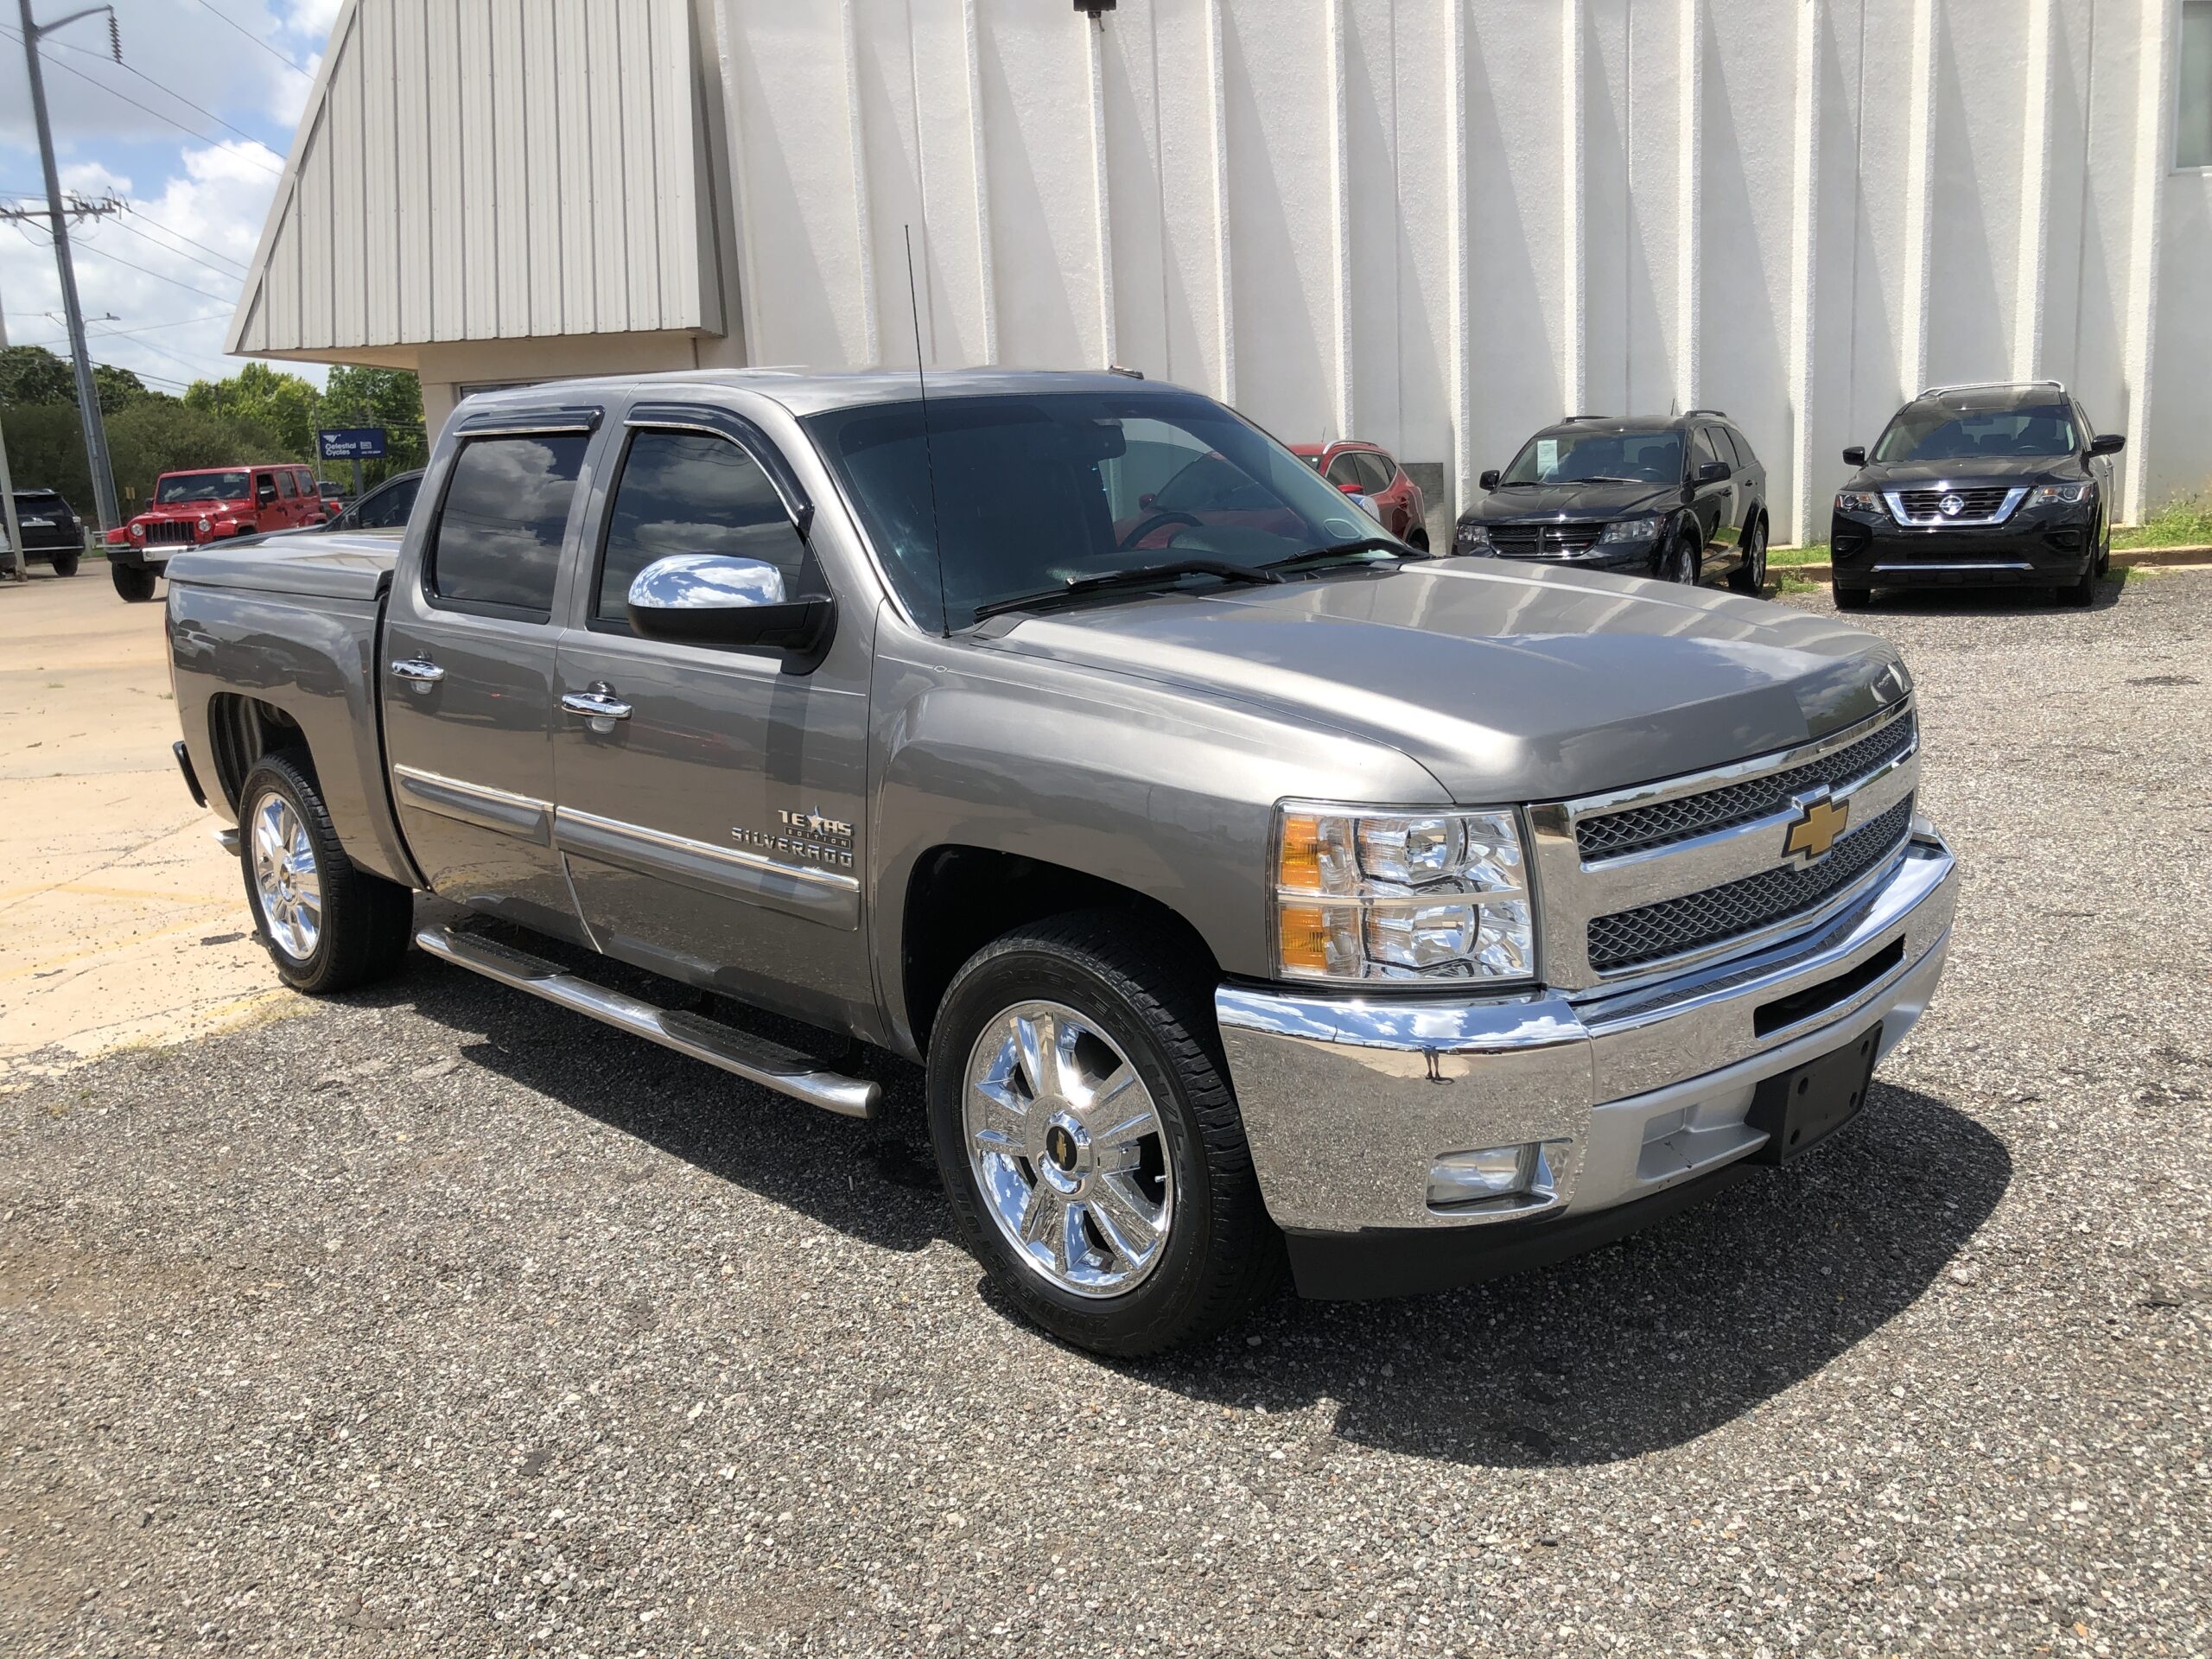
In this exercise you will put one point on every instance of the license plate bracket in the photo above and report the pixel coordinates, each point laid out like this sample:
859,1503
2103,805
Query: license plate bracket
1801,1109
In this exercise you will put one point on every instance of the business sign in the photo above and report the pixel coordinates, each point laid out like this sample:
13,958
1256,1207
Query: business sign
350,443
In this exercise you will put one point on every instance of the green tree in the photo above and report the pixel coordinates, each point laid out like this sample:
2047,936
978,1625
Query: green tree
391,398
31,377
281,405
163,435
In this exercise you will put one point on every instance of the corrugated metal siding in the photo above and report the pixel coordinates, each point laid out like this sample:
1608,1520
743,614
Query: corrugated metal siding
491,169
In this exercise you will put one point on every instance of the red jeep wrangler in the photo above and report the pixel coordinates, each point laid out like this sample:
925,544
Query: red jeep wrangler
212,504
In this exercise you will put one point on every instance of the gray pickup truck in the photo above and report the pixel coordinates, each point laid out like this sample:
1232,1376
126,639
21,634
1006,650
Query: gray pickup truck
1255,890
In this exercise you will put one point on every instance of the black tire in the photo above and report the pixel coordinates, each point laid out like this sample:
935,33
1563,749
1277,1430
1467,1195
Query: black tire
365,921
65,564
1854,598
1417,538
1680,564
135,582
1750,575
1221,1254
2104,556
2079,595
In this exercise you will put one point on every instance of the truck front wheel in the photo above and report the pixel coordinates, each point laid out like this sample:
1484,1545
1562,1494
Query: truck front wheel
329,925
134,581
1089,1141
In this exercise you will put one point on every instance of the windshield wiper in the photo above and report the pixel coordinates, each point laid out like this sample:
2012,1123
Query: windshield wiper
1148,576
1345,549
1610,477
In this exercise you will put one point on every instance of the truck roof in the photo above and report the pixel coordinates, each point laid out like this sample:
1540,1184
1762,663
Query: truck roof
813,391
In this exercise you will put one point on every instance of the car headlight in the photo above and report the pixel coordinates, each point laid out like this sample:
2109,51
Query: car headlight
1473,538
1630,530
2053,494
1362,895
207,525
138,530
1858,501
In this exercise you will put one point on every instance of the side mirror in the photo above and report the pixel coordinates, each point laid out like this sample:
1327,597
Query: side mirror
1489,479
2107,444
1351,489
718,598
1855,456
1714,472
1147,499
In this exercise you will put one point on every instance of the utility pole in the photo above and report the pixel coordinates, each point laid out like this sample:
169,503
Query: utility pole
88,398
19,567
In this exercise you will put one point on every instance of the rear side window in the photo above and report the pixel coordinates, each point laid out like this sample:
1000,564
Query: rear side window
287,485
1345,469
499,538
690,493
1376,471
1701,448
305,480
388,507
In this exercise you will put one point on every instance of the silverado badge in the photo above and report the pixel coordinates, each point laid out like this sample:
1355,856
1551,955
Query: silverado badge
1819,822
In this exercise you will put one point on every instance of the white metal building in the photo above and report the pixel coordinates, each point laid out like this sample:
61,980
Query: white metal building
1431,223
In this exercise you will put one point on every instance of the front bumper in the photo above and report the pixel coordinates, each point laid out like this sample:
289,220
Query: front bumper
1635,1096
2026,550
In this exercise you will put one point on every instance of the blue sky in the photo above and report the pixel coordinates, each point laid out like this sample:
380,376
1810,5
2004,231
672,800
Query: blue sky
197,180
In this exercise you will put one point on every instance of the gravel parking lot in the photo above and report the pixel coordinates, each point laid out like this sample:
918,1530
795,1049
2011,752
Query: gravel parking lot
439,1321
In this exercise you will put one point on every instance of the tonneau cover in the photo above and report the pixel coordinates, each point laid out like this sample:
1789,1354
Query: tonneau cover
335,566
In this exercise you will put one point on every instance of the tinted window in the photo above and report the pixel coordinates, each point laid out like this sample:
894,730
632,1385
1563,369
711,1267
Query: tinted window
42,502
287,484
387,508
1345,469
1030,493
1724,441
688,492
500,531
1376,472
1701,446
1573,456
1930,432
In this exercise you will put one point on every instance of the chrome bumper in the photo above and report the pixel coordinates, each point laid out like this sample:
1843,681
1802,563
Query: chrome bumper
1348,1101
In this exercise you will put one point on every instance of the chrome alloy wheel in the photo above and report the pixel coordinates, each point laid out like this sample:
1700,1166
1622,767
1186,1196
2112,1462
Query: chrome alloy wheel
1680,567
285,877
1755,557
1068,1150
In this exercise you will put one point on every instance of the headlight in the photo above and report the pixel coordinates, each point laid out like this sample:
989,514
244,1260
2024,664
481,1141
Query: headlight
1630,530
1858,501
207,525
138,530
2052,494
1421,896
1471,538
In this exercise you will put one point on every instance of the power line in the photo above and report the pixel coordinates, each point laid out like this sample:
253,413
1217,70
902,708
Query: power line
165,91
141,108
179,253
256,40
147,329
116,258
167,229
182,362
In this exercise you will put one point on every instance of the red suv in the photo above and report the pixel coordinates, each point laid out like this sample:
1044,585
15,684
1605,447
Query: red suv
208,505
1362,469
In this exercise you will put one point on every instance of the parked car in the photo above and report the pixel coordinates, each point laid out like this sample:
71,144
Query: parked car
53,533
1980,486
1369,473
1681,498
385,508
215,503
1280,892
335,497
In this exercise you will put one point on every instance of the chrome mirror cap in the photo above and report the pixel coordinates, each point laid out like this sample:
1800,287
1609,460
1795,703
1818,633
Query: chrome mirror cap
706,581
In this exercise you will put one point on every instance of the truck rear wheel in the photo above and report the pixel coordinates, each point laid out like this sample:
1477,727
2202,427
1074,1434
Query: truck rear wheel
1089,1141
134,581
328,926
65,564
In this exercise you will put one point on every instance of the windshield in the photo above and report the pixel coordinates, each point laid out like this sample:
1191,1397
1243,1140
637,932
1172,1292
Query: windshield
1570,457
1934,433
200,486
1032,492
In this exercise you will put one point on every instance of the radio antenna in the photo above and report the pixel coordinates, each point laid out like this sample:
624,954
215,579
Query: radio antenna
929,450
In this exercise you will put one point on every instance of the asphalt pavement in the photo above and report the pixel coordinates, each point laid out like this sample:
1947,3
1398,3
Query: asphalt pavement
437,1322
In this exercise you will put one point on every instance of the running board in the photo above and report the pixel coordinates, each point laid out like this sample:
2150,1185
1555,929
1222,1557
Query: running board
755,1059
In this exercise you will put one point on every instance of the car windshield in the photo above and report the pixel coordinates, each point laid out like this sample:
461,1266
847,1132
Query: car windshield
1572,457
1032,493
200,486
1932,432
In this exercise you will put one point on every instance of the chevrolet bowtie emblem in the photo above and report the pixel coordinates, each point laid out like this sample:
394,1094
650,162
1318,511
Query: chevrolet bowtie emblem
1819,823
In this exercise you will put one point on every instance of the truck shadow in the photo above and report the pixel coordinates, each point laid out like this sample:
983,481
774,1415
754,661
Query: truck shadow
1986,601
1647,1343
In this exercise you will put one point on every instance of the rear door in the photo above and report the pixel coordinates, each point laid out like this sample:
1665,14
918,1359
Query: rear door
710,826
467,666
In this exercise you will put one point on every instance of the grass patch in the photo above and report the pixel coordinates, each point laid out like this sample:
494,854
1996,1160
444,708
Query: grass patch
2185,521
1816,553
1798,585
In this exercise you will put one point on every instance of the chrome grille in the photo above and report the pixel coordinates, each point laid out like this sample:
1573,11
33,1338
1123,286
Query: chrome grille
1541,541
1674,926
1980,502
1641,827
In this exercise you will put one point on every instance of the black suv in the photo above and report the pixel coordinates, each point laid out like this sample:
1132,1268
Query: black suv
1988,485
53,534
1679,498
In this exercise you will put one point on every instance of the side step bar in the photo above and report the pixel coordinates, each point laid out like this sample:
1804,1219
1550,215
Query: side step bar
756,1060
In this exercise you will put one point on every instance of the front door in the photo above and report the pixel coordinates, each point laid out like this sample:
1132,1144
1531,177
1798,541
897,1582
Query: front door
1719,502
711,797
468,685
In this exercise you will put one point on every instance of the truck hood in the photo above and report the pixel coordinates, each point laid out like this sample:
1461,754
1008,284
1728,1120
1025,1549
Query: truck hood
1521,504
1525,683
338,566
1966,469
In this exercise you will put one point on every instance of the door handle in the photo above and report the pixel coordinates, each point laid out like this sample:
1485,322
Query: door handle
598,706
418,671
